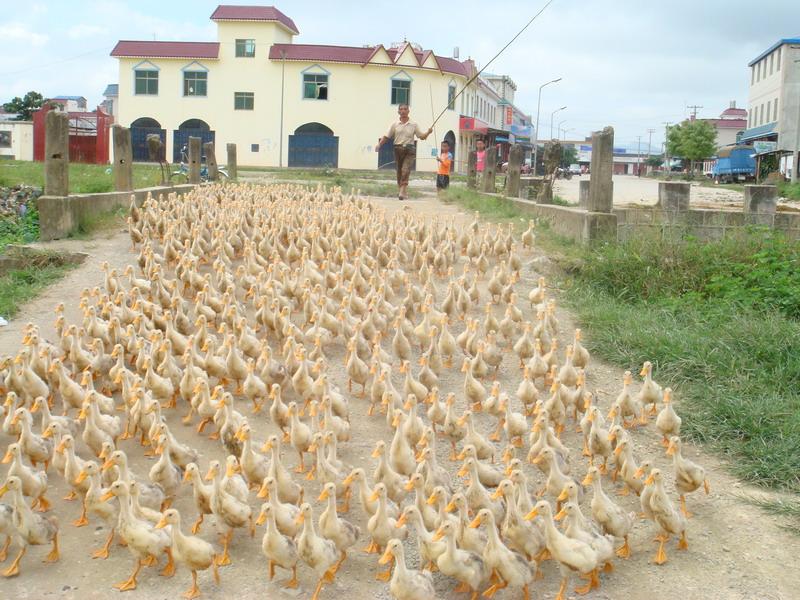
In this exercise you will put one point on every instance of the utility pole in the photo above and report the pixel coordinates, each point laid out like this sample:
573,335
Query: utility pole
649,145
536,132
639,156
666,125
283,78
694,108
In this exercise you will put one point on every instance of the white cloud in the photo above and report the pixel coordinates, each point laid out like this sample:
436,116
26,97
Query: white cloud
17,32
83,30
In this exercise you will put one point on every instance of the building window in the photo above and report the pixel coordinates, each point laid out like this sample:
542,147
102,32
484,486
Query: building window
146,82
401,91
778,60
315,87
195,83
253,147
243,100
771,62
5,139
752,75
758,75
451,97
775,110
245,48
761,114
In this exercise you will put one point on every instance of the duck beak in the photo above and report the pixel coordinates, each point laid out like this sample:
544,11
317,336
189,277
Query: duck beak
649,480
532,515
7,458
323,496
47,433
240,435
618,450
476,522
639,472
263,491
438,535
586,481
348,480
538,460
81,477
210,475
375,453
267,446
262,517
401,521
451,506
561,514
409,486
498,493
462,472
107,496
300,519
186,476
3,490
671,449
373,497
386,557
162,523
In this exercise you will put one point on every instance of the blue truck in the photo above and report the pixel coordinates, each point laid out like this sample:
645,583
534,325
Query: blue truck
734,163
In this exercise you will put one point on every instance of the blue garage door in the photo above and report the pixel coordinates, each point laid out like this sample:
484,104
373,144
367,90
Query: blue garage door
140,129
187,129
313,145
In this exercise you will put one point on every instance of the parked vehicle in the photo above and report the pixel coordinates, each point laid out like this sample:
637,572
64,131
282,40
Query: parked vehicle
181,175
575,169
734,163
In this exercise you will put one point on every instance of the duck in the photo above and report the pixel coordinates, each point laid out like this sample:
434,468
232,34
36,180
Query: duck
523,536
671,521
381,525
556,478
230,513
284,513
280,550
626,405
488,475
194,552
513,569
34,483
180,454
611,517
142,539
467,567
29,528
288,490
599,444
651,393
164,472
37,448
573,555
317,552
477,496
255,466
151,495
575,527
94,506
453,428
689,476
201,494
66,424
474,392
299,436
406,584
343,533
668,422
484,449
386,472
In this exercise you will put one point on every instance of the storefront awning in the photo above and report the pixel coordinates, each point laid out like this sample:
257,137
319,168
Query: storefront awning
758,132
473,124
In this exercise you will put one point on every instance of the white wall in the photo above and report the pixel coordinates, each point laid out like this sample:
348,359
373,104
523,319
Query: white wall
21,139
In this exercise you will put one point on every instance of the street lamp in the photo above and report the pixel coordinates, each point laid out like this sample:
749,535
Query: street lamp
536,131
552,114
558,129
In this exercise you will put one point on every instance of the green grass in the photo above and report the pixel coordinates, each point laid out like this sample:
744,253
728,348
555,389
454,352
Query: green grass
790,509
709,183
20,286
83,179
491,207
789,190
89,225
20,231
719,321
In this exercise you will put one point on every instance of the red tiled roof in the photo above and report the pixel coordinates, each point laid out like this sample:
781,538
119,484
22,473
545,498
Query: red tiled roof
146,49
227,12
740,112
355,55
728,123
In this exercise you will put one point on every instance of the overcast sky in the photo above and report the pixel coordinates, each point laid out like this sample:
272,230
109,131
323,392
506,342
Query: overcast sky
626,63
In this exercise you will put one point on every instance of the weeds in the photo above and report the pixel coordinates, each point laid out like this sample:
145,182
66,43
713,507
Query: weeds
20,286
83,178
785,508
493,207
14,230
90,224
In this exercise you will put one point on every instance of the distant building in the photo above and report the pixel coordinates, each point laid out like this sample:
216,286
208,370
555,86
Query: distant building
110,105
70,103
774,101
16,140
730,125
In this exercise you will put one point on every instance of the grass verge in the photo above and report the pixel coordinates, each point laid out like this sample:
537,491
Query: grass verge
491,207
789,190
790,509
14,230
83,179
19,286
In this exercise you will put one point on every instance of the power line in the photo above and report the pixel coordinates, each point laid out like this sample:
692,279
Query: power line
56,62
693,108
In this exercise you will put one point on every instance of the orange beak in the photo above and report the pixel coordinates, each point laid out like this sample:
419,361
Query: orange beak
162,523
532,515
438,535
300,519
323,496
561,514
7,458
386,557
81,477
476,522
588,479
498,493
401,521
106,497
563,495
649,479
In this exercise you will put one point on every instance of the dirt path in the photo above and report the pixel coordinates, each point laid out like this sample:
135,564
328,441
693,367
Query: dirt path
735,550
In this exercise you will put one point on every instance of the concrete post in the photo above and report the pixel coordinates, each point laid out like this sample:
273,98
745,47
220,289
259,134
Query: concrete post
231,161
674,195
601,191
760,199
56,154
123,158
515,158
194,159
211,161
489,168
583,193
472,170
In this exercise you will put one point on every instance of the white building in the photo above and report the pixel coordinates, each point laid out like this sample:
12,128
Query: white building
111,103
774,101
16,140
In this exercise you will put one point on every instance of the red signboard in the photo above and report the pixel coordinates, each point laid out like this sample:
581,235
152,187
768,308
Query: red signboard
509,115
472,124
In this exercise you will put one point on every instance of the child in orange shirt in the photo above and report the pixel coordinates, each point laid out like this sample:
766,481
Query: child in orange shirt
445,159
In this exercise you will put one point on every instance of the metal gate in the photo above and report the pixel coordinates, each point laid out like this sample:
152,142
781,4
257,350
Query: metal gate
313,150
139,141
180,138
386,156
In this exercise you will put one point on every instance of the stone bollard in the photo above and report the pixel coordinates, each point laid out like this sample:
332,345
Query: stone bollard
674,195
601,189
489,169
123,158
231,161
211,161
56,154
472,170
194,159
760,199
515,158
583,193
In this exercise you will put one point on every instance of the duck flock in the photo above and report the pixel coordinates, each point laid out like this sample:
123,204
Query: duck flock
284,321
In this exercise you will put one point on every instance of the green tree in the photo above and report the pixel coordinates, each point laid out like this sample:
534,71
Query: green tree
569,156
654,161
24,107
692,141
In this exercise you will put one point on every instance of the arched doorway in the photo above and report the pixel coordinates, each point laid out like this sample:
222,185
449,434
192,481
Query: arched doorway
450,138
140,129
187,129
313,145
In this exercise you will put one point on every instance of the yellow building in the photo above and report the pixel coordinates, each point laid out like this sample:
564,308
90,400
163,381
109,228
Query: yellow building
283,103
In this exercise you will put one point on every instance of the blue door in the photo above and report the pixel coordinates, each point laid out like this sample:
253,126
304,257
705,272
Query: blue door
139,141
180,138
313,145
386,156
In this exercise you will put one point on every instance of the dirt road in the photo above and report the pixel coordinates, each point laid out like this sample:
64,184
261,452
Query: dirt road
642,190
736,552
